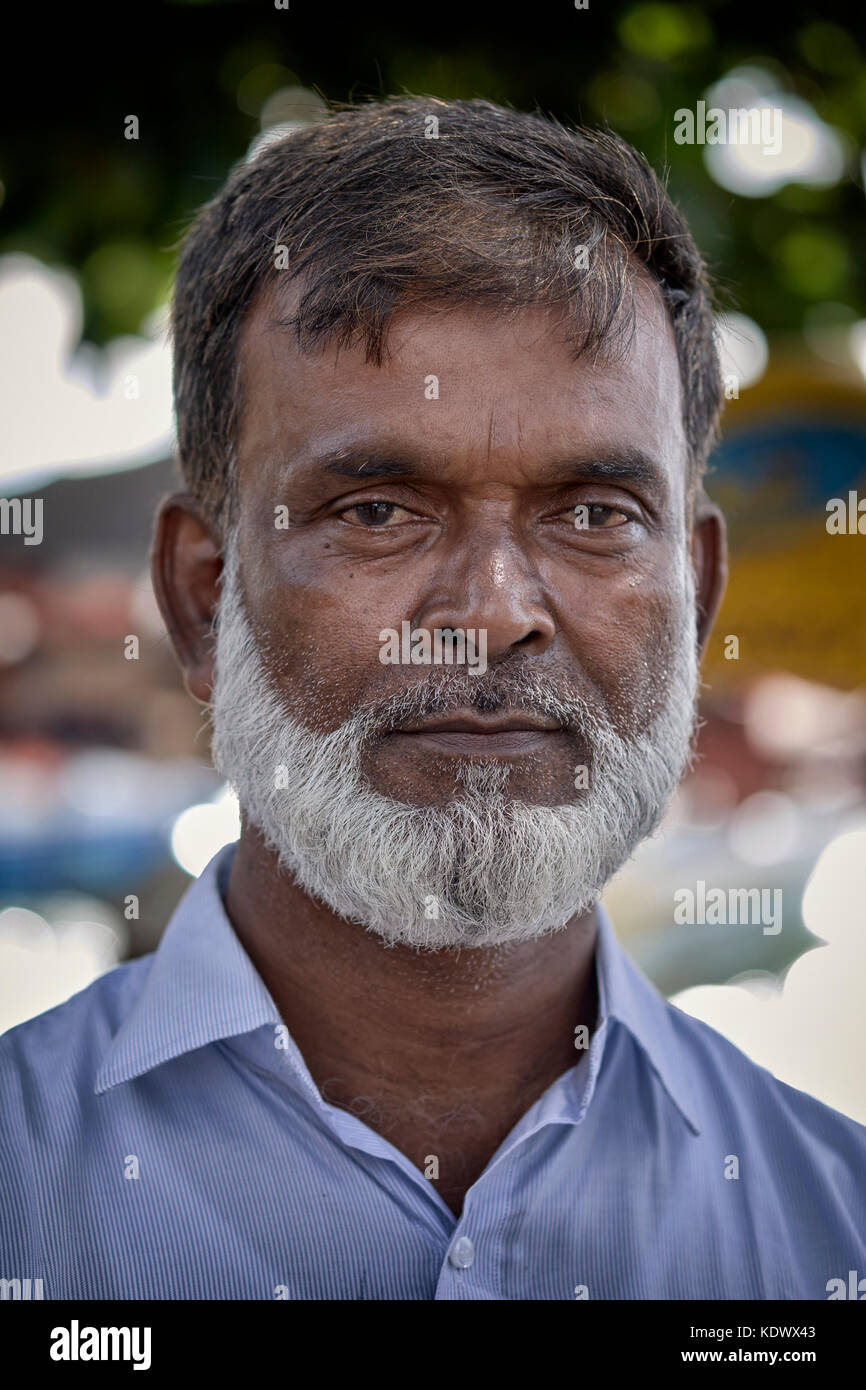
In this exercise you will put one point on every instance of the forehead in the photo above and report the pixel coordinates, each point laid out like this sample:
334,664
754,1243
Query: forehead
476,386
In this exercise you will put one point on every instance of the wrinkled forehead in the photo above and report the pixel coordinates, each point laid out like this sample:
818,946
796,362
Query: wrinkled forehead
478,384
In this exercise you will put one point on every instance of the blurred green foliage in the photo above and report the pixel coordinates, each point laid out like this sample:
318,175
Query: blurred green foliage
197,74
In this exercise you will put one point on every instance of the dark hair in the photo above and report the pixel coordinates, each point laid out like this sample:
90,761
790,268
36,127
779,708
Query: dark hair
376,215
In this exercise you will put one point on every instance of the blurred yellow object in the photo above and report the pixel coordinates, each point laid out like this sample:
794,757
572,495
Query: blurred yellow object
796,597
799,606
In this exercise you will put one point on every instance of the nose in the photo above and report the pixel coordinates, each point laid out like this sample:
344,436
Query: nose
490,584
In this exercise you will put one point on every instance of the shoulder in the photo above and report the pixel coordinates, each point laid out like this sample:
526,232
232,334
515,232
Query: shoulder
55,1056
48,1068
743,1095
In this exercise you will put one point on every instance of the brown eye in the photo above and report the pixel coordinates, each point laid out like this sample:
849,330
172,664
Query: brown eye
374,514
606,516
597,516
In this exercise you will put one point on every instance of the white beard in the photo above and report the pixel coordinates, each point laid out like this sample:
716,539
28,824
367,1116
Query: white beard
485,869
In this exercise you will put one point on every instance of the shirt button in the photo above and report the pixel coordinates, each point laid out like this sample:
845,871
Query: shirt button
462,1253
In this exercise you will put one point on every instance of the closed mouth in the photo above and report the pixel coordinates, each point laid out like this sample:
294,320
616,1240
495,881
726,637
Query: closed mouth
466,735
465,724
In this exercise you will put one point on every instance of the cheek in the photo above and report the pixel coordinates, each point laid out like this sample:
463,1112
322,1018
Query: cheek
319,639
627,651
325,664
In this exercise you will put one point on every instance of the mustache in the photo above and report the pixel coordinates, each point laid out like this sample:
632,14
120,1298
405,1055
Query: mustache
497,691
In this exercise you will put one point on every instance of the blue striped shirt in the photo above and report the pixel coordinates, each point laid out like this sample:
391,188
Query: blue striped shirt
161,1137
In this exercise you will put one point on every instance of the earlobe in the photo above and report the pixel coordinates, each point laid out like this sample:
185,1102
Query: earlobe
186,564
710,562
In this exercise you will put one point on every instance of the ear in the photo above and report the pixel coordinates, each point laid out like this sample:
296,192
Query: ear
709,550
185,566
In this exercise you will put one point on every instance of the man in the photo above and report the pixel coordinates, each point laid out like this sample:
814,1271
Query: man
446,384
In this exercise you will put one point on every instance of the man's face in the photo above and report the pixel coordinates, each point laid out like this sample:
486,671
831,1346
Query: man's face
478,533
524,496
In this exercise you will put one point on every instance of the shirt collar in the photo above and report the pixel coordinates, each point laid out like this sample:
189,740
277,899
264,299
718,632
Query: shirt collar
627,995
202,986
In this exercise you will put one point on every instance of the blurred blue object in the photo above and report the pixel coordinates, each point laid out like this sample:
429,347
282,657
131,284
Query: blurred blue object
105,864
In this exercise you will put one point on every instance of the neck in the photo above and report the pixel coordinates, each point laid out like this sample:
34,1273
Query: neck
391,1029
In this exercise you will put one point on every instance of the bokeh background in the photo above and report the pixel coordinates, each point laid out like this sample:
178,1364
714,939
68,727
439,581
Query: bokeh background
107,802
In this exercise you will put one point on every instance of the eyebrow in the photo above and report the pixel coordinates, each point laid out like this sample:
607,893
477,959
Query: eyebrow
628,464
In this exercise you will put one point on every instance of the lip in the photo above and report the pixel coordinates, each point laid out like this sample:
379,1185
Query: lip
467,735
473,724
